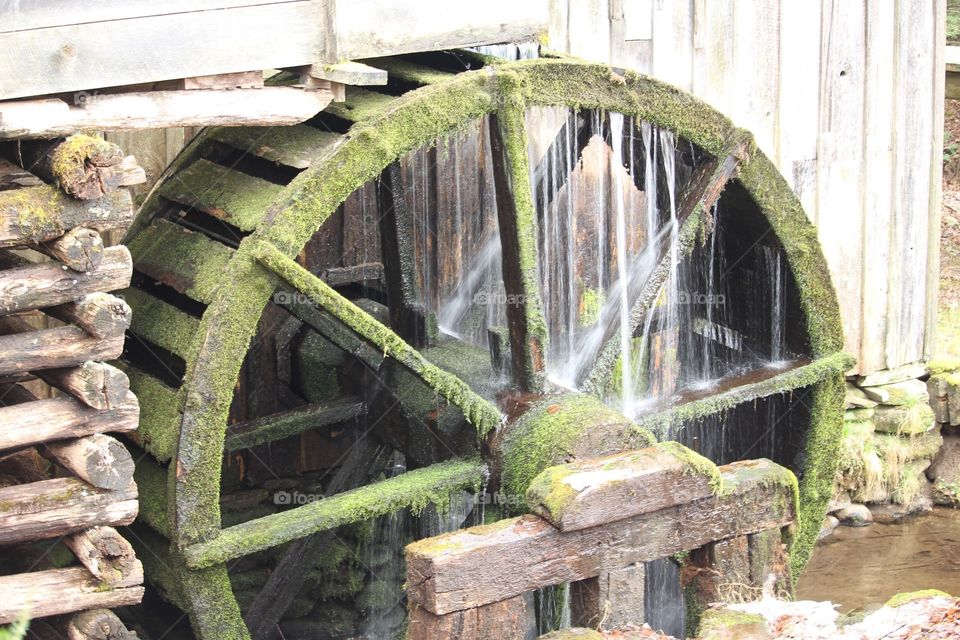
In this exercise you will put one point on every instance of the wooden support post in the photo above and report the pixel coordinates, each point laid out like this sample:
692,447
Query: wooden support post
24,349
84,166
99,459
473,567
58,591
407,315
47,284
610,600
42,213
524,316
510,619
95,384
29,423
105,553
97,624
80,249
54,508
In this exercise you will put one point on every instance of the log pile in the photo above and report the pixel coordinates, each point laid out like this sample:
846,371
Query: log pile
65,483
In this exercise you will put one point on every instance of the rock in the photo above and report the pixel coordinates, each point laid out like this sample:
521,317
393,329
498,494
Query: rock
826,529
952,381
901,449
946,494
855,397
891,376
858,414
908,420
729,624
937,388
891,513
945,473
841,500
905,393
856,515
877,394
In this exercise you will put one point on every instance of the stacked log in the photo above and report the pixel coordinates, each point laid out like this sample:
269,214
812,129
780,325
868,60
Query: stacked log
65,483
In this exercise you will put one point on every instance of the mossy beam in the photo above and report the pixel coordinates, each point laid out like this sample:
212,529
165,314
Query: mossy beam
283,425
479,412
162,324
159,413
820,468
413,489
820,370
518,234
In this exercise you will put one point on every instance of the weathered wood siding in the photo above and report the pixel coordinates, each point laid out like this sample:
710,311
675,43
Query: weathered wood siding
846,97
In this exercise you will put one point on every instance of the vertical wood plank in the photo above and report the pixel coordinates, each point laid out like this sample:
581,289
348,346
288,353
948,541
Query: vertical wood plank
912,207
799,99
713,61
840,156
936,176
756,76
589,34
878,182
673,42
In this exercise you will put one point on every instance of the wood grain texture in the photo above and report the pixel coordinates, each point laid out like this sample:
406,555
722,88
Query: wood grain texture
105,553
101,461
57,591
24,349
61,418
486,564
54,508
510,619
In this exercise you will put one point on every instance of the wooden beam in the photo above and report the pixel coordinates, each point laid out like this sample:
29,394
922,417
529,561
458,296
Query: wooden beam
98,459
29,423
100,314
58,591
85,166
80,249
95,384
237,80
54,508
48,284
105,553
97,624
42,213
24,349
511,618
365,503
288,423
269,106
478,566
354,73
588,493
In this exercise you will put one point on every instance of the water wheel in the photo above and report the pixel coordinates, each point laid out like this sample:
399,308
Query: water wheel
424,267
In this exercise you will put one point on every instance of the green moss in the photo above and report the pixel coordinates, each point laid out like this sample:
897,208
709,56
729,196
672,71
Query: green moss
558,429
406,71
296,146
162,324
151,479
818,370
69,159
905,420
819,470
413,490
360,104
223,192
189,262
159,413
695,463
944,364
591,303
317,364
479,412
903,598
717,624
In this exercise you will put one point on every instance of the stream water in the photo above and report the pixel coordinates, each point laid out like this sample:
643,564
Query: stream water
861,568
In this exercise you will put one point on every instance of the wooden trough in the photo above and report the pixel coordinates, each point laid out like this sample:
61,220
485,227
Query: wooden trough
62,478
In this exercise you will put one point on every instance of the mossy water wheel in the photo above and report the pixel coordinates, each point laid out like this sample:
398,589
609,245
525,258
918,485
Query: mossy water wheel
275,276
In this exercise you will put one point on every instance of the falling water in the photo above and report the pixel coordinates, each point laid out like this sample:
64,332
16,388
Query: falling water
774,263
481,287
626,335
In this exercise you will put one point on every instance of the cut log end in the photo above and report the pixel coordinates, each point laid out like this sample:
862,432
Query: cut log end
97,624
99,459
105,553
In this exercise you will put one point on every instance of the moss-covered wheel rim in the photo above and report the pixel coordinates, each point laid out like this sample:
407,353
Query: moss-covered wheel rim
381,134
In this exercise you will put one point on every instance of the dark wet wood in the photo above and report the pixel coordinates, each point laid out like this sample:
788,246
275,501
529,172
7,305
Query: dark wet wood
97,624
100,460
511,619
478,566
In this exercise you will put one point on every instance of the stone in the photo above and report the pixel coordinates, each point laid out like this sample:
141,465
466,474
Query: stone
826,529
937,388
906,393
945,473
891,513
891,376
905,420
855,397
610,600
877,394
729,624
946,494
858,414
841,500
856,515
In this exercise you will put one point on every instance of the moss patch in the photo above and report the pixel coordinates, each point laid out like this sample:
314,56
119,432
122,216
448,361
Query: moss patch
903,598
720,624
159,413
162,324
413,489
